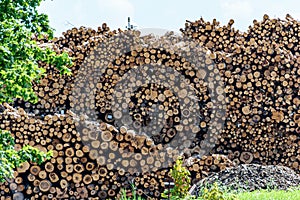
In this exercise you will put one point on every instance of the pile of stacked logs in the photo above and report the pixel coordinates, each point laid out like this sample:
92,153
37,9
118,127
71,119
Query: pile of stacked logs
261,72
54,90
94,155
75,170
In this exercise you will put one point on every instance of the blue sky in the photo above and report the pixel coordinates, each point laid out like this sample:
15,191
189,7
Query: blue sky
166,14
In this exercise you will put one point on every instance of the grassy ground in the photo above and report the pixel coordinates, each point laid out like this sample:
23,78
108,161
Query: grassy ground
270,195
292,194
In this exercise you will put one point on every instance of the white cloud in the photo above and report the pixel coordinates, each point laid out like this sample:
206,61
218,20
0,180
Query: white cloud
278,9
237,8
115,11
242,11
90,13
169,14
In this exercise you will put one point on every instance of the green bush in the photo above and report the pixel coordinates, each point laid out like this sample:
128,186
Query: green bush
215,193
182,181
10,158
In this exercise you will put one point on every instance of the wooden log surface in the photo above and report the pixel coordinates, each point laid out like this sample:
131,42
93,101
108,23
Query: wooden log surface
260,70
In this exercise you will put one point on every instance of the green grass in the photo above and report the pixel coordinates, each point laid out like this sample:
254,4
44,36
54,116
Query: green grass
291,194
270,195
134,196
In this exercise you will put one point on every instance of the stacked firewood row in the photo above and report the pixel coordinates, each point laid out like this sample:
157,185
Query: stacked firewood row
99,124
201,168
54,90
152,78
78,171
261,72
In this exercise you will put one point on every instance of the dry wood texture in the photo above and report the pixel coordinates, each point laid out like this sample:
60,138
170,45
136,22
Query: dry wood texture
54,90
95,158
261,75
75,171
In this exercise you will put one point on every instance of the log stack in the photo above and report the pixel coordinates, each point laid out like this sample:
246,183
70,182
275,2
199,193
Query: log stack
96,151
201,168
102,94
81,171
54,90
261,75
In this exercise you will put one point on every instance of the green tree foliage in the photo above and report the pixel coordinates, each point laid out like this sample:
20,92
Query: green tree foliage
182,181
10,158
20,25
20,22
